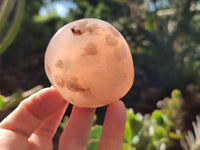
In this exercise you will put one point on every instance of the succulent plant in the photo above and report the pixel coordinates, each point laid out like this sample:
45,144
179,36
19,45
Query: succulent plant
192,141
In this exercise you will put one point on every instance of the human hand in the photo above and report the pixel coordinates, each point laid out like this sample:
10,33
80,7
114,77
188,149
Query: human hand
32,125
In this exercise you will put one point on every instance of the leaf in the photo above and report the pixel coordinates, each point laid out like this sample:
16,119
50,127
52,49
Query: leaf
128,133
134,121
94,120
137,124
19,96
64,122
127,146
14,100
130,115
175,136
13,30
93,144
1,101
160,132
158,117
4,12
95,132
175,94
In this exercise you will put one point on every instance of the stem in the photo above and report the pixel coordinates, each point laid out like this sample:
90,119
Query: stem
5,10
11,34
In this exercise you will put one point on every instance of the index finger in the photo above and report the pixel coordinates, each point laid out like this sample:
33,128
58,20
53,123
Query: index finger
32,111
113,127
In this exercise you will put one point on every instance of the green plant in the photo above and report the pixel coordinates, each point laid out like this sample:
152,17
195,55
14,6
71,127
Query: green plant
94,138
12,101
5,10
192,141
155,131
1,101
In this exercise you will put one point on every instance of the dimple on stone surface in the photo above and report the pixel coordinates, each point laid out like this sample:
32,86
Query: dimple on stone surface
74,85
114,31
110,40
82,27
48,69
59,81
90,49
83,23
120,52
93,27
59,64
76,31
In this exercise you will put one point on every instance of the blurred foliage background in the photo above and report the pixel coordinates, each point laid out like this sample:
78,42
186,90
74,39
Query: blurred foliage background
163,36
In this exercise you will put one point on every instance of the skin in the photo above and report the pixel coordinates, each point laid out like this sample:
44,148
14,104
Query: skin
32,125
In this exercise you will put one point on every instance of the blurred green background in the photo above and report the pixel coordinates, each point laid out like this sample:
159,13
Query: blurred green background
163,36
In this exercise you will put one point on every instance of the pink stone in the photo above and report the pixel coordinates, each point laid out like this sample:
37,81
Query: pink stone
89,62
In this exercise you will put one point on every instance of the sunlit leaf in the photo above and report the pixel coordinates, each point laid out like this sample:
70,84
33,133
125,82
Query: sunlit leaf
157,116
128,133
95,132
64,122
94,119
160,132
175,136
92,144
134,121
1,101
127,146
176,94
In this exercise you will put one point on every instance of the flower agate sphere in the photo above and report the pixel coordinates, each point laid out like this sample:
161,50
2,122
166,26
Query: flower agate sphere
89,62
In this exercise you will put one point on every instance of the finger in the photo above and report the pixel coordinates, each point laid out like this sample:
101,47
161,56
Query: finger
29,115
42,136
113,127
77,130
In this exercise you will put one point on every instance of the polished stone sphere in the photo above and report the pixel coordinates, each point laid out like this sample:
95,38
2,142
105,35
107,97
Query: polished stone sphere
89,62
